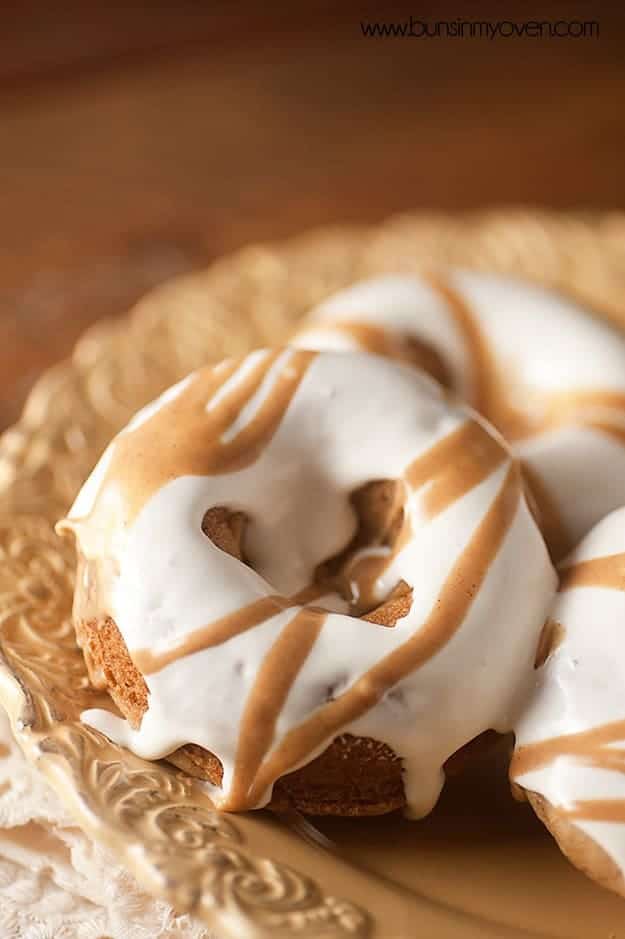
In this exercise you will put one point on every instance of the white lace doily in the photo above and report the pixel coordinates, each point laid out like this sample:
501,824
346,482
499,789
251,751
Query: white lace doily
57,884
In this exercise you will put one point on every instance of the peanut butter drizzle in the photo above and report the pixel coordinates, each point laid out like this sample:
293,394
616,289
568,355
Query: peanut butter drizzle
491,389
486,394
491,397
223,629
597,810
608,572
189,435
449,611
608,430
581,409
566,402
453,466
593,747
266,699
393,345
216,633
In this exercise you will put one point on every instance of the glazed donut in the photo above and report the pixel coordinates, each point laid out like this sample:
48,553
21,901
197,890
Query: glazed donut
570,739
547,374
306,563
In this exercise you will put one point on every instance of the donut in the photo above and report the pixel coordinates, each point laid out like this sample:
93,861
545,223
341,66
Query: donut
546,373
569,758
295,569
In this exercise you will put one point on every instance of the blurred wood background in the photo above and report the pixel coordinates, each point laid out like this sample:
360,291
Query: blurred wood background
138,140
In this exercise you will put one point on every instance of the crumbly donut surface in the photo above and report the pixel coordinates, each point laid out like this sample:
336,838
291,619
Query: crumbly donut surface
581,850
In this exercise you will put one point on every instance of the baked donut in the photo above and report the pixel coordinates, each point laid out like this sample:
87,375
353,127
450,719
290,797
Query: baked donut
296,568
570,740
546,373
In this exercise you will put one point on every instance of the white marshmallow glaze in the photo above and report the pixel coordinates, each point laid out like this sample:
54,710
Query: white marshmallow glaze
581,688
353,419
542,344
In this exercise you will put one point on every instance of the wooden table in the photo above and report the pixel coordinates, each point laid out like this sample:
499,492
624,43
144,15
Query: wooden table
134,144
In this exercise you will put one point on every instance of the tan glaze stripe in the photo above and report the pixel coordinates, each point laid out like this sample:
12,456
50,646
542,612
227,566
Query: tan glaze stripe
592,747
491,389
392,345
590,408
568,401
183,438
126,480
491,397
448,613
454,465
616,431
597,810
608,572
274,680
214,634
488,389
580,409
221,630
308,594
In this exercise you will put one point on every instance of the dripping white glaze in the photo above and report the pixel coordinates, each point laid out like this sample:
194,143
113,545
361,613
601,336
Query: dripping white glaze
352,419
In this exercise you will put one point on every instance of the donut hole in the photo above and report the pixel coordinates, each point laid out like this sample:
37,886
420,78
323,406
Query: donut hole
226,529
378,506
379,509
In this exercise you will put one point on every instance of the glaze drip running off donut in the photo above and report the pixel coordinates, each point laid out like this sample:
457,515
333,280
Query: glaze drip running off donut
570,753
546,373
300,547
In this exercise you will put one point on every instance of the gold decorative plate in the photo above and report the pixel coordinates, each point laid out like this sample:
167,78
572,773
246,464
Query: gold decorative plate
480,866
